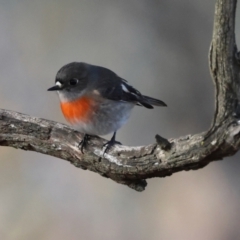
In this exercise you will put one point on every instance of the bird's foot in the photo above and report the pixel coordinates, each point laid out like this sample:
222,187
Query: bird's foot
110,143
84,142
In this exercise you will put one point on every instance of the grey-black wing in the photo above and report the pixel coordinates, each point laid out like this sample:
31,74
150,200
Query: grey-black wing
118,89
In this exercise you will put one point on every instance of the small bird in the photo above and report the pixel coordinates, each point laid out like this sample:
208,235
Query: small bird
96,101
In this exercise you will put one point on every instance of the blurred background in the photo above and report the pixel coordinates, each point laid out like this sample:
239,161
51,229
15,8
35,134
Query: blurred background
161,48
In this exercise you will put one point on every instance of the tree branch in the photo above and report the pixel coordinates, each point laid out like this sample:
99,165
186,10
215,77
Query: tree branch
132,165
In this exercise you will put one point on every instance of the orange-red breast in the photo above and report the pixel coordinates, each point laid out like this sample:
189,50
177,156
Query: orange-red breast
95,100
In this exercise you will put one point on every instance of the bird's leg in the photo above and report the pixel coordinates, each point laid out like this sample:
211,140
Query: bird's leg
84,141
110,143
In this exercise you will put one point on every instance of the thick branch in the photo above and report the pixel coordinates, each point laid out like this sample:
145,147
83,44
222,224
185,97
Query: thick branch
132,165
223,62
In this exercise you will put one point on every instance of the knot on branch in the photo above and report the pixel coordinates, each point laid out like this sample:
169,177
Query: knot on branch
163,143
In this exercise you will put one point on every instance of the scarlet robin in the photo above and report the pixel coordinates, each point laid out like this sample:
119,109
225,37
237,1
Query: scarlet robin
96,101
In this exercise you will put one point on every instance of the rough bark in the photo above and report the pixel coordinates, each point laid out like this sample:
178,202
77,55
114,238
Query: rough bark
132,165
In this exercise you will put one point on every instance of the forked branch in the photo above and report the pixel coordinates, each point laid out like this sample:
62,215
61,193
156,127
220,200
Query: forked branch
132,165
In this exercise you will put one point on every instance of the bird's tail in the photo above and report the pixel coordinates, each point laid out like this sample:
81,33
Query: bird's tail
148,102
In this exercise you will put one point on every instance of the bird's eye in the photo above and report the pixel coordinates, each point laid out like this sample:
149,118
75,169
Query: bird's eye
73,81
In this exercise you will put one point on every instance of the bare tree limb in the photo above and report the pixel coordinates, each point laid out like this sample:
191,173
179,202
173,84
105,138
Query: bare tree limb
132,165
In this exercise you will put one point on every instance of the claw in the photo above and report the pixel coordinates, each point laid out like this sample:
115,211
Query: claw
83,143
110,143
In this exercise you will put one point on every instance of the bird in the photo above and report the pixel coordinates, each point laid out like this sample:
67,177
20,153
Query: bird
96,101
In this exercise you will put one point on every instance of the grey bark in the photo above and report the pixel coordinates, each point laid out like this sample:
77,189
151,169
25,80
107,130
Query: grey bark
133,165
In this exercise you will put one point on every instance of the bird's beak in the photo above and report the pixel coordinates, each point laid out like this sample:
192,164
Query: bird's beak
57,87
54,88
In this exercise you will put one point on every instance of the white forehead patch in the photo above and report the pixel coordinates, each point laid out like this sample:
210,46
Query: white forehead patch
58,84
